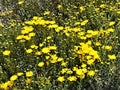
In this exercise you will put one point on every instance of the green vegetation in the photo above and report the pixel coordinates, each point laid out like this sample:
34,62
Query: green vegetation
60,45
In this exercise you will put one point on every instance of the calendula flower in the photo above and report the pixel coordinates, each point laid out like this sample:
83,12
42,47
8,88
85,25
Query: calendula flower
20,37
80,73
72,78
38,53
46,12
13,77
112,57
90,62
91,73
29,51
83,65
6,53
32,34
59,6
111,23
28,80
84,22
34,46
20,2
82,8
29,74
102,6
19,73
61,78
118,12
41,64
45,50
107,47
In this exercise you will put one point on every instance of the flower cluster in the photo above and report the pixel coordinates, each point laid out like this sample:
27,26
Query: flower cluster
65,48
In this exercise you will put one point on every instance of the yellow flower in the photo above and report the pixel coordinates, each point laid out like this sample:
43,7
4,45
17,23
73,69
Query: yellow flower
102,6
24,31
2,14
118,12
79,71
38,53
108,47
90,62
19,73
27,37
28,28
34,46
77,23
84,22
6,53
61,78
46,12
28,80
81,76
10,11
41,44
52,47
75,69
21,41
60,59
112,57
13,77
29,74
69,71
97,9
83,65
9,83
29,51
98,44
88,57
64,70
63,63
72,78
111,23
110,30
47,57
41,64
46,50
82,9
74,6
84,70
1,25
20,37
4,86
95,33
32,34
59,6
20,2
53,60
91,73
